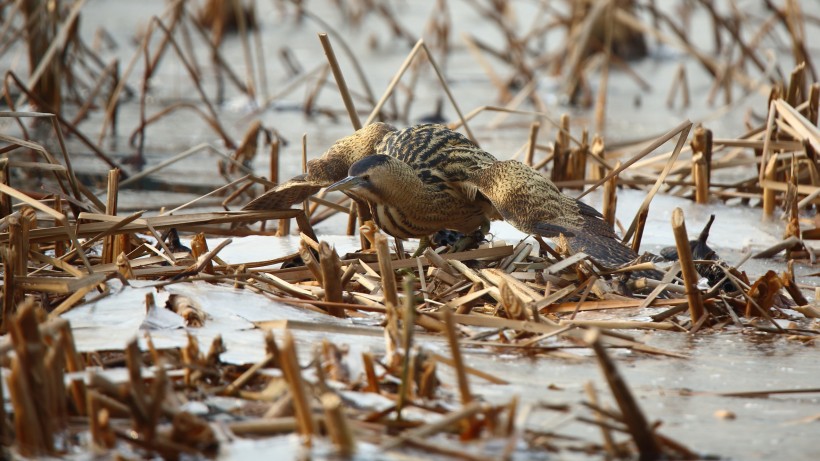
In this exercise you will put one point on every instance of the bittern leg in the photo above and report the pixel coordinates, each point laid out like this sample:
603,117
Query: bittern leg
424,243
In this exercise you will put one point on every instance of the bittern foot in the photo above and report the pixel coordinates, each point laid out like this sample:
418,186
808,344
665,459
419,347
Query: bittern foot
468,241
458,241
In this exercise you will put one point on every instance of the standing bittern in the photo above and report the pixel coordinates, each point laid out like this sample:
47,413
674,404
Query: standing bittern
429,178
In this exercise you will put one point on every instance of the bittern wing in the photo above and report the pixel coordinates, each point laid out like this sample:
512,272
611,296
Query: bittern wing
285,195
532,203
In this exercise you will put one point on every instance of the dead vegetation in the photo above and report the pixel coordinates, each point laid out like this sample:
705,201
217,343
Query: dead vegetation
65,243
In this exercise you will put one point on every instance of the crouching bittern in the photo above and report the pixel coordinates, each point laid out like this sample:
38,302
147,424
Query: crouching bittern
429,178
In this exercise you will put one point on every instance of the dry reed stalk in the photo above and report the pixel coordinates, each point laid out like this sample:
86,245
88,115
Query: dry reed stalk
313,94
408,323
395,80
247,375
56,121
682,83
111,209
640,225
701,180
5,200
683,134
248,146
31,392
769,194
814,103
337,424
331,276
492,75
528,159
633,417
601,98
579,46
74,364
265,426
620,325
43,43
340,81
370,373
110,71
610,199
246,19
99,422
386,270
690,274
298,390
702,160
682,129
561,150
458,363
210,115
470,370
421,432
11,295
50,160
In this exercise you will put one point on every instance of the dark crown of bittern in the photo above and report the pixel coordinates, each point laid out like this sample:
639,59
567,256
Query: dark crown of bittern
428,178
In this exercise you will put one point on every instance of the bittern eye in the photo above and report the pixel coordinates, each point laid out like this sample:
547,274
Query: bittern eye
366,177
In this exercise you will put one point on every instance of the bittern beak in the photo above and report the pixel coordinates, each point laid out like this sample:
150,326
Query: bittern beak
347,183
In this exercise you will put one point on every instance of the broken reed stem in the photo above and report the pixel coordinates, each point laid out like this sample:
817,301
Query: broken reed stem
36,420
370,373
633,417
293,375
283,229
467,411
391,296
533,142
701,163
340,81
690,275
682,129
407,344
111,210
701,180
5,200
74,364
639,227
610,200
246,376
458,363
683,135
331,268
601,99
337,424
769,194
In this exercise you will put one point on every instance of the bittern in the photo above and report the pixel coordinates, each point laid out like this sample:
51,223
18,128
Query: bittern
428,178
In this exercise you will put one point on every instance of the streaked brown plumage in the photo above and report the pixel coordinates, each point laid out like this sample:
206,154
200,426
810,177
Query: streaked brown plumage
324,171
427,178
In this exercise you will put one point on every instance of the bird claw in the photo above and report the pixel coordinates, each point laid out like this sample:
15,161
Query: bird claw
467,242
456,241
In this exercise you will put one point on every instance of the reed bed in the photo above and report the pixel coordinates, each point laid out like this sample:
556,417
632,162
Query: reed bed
66,242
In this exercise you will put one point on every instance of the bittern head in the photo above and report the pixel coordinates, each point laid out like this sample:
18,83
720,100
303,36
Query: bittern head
375,178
